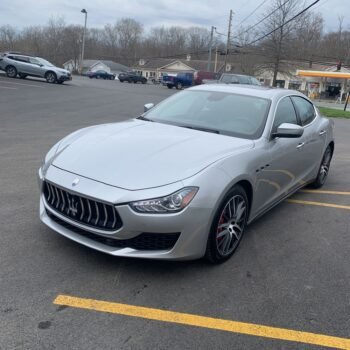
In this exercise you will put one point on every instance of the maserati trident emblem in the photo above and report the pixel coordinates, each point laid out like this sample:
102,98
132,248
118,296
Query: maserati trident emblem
72,206
75,182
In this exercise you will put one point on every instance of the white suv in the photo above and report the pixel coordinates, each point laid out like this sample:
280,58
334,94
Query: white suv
23,65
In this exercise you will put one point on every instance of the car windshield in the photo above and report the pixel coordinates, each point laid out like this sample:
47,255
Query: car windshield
44,62
214,111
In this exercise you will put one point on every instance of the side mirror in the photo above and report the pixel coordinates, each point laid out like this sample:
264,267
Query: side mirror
148,106
287,130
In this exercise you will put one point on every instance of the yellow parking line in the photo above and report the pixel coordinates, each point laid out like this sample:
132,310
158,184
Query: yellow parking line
330,205
204,322
327,192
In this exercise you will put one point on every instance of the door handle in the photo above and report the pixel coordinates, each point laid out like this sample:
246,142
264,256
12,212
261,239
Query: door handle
322,132
301,145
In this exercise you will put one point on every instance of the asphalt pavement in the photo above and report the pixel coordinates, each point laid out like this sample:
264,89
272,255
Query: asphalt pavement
292,270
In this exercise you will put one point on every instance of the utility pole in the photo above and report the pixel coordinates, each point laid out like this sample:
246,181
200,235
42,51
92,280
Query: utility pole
210,48
83,44
228,37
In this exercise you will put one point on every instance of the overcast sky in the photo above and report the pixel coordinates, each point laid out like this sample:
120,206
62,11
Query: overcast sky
205,13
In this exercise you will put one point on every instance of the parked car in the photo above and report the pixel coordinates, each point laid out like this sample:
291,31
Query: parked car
184,179
179,81
200,75
101,74
132,77
228,78
15,64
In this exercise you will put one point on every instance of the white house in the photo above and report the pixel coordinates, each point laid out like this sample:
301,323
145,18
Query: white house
156,68
95,65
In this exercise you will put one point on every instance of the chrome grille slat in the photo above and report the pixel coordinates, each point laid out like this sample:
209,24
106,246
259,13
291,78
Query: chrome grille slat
98,213
63,200
106,216
53,195
81,209
49,190
58,198
90,212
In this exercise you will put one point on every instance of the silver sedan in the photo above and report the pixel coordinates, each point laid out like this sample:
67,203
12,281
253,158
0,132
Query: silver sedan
184,179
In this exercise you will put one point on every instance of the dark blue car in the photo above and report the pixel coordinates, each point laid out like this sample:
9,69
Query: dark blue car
101,74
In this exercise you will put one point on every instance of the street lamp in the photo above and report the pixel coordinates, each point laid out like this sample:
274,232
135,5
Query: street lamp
83,45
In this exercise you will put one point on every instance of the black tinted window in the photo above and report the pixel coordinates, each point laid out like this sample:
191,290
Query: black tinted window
285,113
229,79
305,109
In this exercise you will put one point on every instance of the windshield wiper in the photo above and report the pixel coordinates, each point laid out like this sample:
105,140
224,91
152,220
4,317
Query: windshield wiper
201,129
144,118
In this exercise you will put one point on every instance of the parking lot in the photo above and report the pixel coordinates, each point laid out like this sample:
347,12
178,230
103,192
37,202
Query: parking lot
291,272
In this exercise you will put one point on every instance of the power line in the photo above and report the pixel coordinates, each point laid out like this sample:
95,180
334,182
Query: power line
284,24
252,13
262,20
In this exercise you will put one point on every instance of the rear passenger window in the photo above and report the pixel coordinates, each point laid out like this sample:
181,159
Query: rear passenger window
285,113
305,109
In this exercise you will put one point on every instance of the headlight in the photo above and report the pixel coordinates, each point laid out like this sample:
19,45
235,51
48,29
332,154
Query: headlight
170,204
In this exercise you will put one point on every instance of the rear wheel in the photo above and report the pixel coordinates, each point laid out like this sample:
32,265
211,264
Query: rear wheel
60,82
324,168
51,77
169,86
178,86
228,226
11,72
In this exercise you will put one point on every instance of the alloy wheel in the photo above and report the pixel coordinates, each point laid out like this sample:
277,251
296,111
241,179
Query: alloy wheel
11,72
325,166
50,78
231,225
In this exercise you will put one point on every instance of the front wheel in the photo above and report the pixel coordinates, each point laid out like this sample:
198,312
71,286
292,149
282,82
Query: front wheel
178,86
11,72
51,77
169,86
228,226
324,168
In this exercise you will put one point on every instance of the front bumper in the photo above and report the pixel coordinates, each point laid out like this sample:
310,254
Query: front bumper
192,224
65,78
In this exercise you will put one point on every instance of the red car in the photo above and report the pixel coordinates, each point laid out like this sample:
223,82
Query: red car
200,75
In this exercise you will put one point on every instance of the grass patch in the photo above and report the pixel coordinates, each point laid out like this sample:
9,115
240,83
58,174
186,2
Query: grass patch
334,113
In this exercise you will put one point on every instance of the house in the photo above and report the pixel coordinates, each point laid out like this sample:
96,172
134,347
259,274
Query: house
157,67
95,65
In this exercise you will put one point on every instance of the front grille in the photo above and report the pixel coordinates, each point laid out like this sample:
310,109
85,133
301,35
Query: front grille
81,209
144,241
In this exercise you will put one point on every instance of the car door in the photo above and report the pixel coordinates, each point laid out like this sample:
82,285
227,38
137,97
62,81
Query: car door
283,172
34,67
314,137
22,64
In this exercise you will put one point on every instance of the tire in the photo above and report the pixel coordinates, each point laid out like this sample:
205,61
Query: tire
143,81
129,81
51,77
122,81
324,168
11,71
170,86
178,86
98,77
60,82
22,76
227,228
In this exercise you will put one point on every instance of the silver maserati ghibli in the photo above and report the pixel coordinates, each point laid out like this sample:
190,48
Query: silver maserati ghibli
184,179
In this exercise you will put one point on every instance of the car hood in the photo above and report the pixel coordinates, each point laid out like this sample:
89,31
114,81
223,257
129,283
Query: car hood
139,154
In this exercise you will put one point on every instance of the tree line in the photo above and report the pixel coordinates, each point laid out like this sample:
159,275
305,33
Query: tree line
126,40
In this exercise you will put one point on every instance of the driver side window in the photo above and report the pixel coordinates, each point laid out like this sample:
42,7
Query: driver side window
285,113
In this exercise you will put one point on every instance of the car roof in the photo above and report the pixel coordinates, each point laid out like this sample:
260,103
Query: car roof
249,90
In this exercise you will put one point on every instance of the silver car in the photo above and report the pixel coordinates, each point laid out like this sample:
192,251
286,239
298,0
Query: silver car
184,179
23,65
